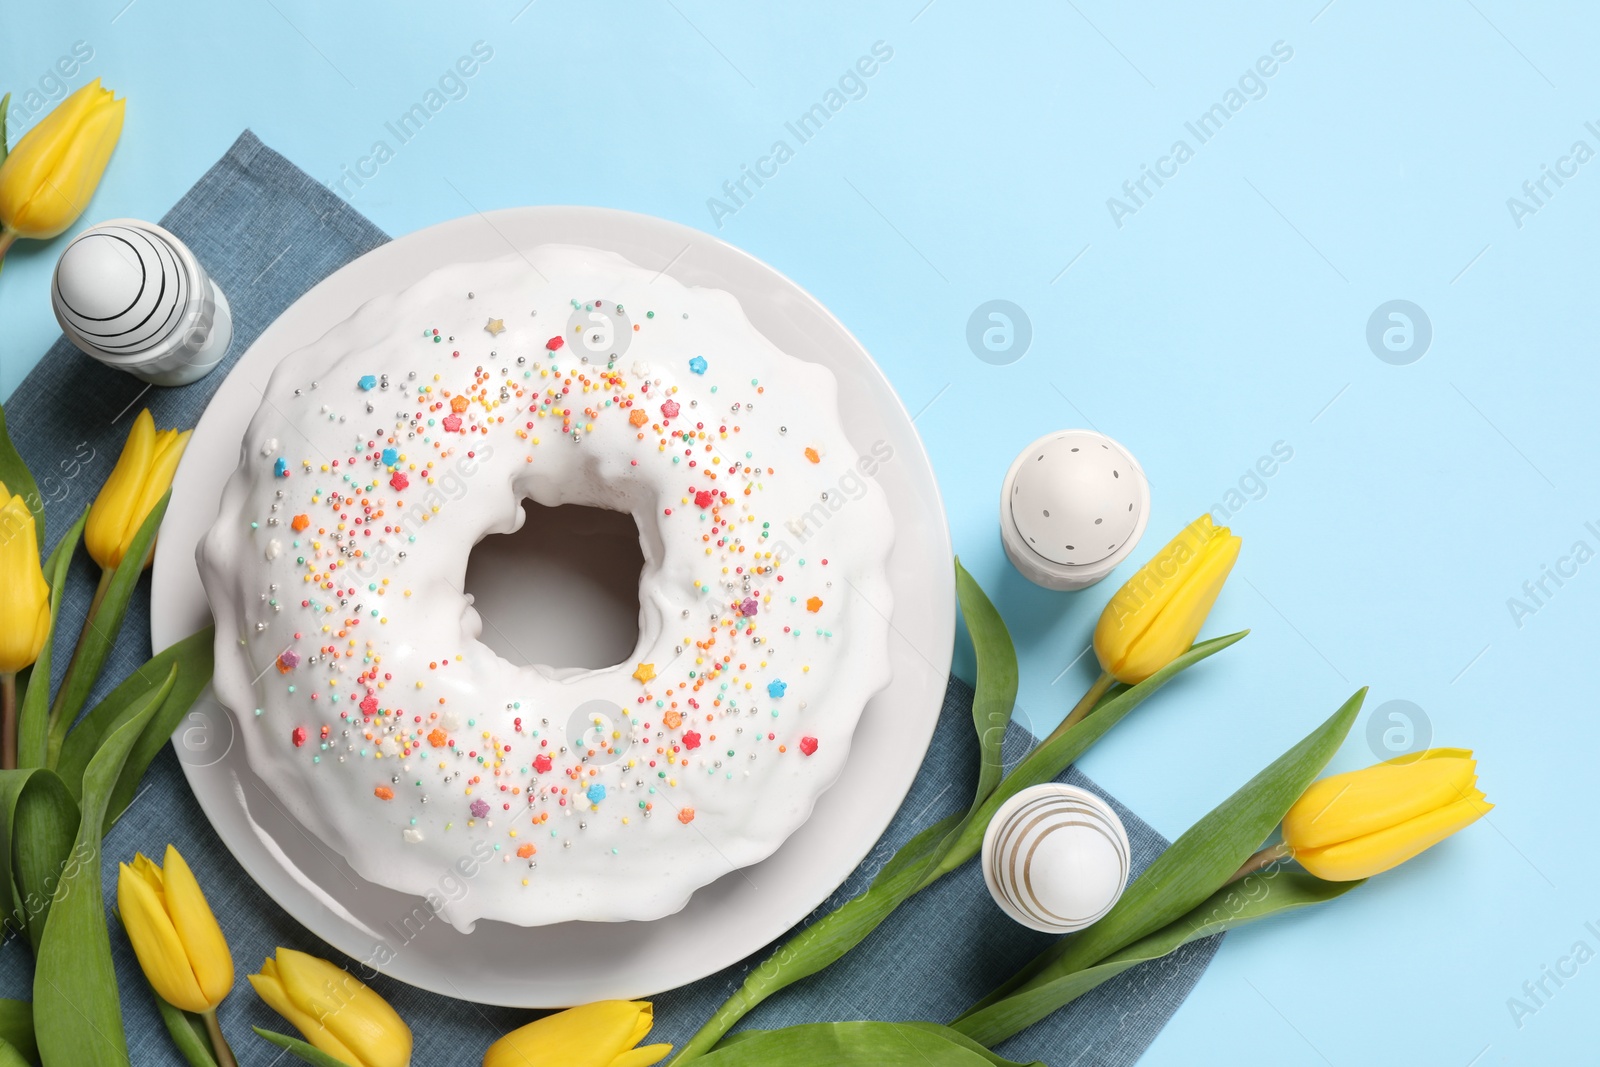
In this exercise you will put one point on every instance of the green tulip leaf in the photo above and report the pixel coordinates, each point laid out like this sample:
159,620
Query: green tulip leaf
995,691
923,851
33,719
1258,896
10,1056
994,696
854,1044
1062,748
5,106
16,1028
194,666
307,1052
100,631
187,664
188,1033
43,827
15,474
11,786
77,1016
1197,863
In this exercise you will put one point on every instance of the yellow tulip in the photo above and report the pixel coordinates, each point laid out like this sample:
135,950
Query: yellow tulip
1362,823
174,935
1157,614
333,1010
602,1034
50,175
142,475
24,595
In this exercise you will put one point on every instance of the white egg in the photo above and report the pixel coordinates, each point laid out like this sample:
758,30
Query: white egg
133,296
1074,504
1056,858
121,289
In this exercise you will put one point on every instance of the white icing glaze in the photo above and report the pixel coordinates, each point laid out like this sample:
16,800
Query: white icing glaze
350,654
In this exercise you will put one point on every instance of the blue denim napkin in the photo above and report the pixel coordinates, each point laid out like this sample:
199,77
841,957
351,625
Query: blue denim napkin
267,232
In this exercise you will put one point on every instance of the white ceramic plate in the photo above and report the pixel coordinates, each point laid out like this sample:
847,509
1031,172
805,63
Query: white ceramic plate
573,963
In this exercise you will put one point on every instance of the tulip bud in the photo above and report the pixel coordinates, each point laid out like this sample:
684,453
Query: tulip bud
333,1010
52,172
24,594
1157,614
141,477
1362,823
603,1034
176,938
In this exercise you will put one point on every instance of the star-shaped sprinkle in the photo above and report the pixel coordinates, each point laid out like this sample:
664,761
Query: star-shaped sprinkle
644,672
496,327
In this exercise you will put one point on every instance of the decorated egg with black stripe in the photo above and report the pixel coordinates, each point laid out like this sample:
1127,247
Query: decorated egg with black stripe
121,290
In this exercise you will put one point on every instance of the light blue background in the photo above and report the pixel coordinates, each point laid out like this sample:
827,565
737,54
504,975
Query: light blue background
1226,315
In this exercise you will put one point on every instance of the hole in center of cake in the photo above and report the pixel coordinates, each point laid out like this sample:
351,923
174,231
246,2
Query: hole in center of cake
563,591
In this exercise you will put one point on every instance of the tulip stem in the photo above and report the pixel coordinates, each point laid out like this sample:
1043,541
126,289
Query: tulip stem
1262,860
219,1044
1086,705
55,738
7,238
8,721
